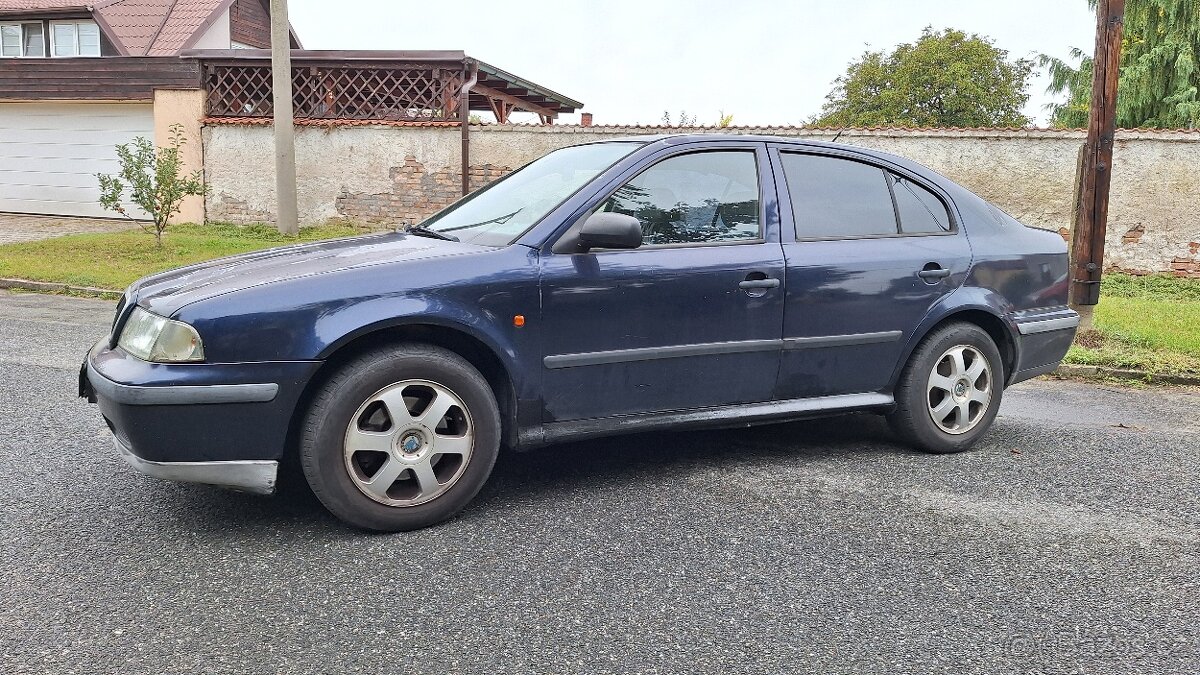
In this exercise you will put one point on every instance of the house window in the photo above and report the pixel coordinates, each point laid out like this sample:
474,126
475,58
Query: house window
21,39
74,38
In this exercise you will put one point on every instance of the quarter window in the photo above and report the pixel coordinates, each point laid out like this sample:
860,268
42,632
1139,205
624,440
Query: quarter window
21,39
74,38
705,197
919,210
833,197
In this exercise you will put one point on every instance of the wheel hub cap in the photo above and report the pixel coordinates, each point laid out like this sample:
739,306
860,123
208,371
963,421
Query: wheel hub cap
409,444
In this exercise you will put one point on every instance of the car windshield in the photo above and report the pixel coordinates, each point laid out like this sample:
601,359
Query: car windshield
499,213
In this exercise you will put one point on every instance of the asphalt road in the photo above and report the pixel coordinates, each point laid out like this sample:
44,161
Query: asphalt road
1067,542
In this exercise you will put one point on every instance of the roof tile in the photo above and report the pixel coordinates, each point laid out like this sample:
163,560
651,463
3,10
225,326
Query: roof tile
185,19
135,22
35,5
311,122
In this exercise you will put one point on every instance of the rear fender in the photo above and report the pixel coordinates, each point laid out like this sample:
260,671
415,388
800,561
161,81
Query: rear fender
962,300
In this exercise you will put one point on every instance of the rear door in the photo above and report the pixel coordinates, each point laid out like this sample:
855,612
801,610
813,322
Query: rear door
693,317
869,249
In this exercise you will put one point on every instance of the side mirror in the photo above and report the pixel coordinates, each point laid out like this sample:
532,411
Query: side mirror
610,230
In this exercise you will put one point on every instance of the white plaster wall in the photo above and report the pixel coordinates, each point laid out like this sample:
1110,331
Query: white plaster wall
1030,174
217,36
1156,187
240,166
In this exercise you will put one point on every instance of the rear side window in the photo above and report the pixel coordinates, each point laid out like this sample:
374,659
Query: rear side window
919,210
833,197
841,198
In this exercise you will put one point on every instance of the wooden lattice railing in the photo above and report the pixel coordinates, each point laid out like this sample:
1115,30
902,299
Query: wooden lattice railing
361,91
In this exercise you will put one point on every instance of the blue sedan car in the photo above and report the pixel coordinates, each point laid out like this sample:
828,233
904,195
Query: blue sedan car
620,286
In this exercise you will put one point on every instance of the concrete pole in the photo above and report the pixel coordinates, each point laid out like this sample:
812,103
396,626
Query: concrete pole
285,144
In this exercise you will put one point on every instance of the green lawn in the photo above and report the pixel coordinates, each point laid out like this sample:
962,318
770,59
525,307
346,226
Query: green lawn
1147,323
115,259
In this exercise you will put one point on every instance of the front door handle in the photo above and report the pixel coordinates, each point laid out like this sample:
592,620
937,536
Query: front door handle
933,271
759,283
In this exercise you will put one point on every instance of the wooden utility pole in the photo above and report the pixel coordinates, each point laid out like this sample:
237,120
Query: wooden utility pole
285,133
1091,213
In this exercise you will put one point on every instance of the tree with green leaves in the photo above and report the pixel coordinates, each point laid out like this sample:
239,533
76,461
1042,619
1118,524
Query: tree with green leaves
1160,70
155,179
946,78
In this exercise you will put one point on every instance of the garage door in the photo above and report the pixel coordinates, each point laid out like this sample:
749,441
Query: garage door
50,153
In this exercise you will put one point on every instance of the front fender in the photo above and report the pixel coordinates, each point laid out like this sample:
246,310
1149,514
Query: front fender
337,329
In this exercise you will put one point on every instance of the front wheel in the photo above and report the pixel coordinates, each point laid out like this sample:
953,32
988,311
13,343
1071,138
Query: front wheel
950,390
400,438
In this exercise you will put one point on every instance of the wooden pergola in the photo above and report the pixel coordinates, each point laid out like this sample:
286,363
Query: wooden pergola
373,85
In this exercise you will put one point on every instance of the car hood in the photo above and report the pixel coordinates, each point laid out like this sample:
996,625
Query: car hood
166,293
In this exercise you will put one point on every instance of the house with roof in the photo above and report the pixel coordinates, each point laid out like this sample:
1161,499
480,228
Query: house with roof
71,28
78,79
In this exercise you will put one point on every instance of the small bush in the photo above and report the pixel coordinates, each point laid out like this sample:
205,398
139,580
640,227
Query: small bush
155,180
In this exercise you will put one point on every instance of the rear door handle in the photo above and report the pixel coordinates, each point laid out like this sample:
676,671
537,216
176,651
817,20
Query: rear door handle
759,283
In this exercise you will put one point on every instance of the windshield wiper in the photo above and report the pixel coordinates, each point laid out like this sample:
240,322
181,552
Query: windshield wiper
499,220
420,231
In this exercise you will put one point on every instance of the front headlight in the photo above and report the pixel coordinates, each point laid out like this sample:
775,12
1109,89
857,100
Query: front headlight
155,338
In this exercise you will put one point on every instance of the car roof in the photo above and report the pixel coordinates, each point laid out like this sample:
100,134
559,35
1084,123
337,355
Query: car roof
682,138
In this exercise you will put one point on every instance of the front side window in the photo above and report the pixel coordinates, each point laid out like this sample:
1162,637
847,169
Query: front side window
21,39
705,197
501,212
74,38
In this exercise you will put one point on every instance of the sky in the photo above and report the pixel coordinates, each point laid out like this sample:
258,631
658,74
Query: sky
765,62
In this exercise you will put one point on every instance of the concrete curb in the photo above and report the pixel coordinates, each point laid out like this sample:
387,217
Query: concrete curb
51,287
1071,370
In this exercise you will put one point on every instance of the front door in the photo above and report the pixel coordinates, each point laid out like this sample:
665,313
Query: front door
693,317
869,250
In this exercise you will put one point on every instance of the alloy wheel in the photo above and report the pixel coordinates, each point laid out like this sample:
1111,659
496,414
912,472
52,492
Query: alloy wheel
959,389
409,443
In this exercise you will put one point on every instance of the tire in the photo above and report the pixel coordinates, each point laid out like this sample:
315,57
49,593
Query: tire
373,452
948,409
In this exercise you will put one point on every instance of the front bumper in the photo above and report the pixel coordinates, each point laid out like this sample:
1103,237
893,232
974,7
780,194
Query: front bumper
218,424
257,476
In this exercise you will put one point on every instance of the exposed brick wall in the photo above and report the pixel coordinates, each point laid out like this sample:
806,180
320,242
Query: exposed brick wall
227,209
1186,267
416,193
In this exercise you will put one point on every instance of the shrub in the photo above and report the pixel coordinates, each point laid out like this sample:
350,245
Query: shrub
155,180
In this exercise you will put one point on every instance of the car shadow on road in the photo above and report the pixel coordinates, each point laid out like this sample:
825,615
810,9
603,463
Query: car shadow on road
528,479
542,473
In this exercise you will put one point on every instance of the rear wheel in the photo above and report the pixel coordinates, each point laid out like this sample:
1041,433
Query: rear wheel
950,390
400,438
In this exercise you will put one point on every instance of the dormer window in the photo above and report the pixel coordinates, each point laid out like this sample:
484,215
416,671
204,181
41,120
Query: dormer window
22,39
74,38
